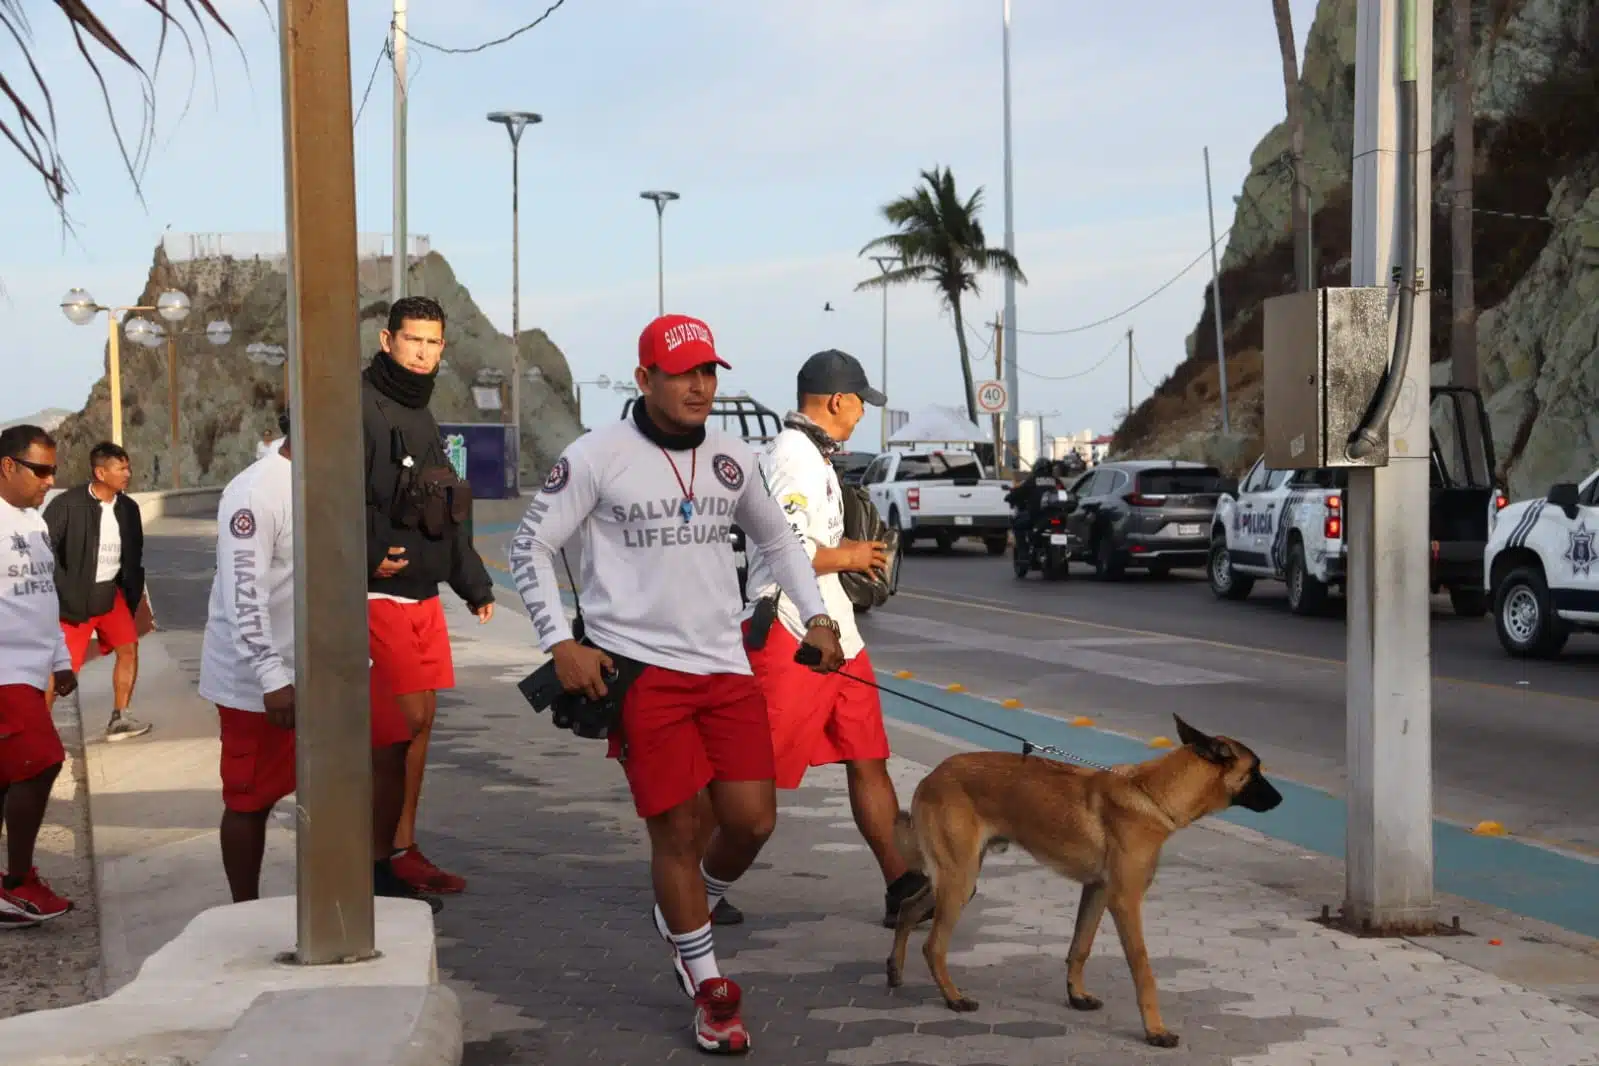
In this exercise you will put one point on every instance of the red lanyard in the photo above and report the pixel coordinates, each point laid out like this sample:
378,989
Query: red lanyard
686,508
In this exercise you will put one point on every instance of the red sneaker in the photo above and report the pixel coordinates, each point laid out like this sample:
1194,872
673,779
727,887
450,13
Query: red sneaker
412,867
34,899
718,1027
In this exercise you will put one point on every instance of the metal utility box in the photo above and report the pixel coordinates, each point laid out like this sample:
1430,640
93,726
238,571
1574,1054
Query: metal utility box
1326,353
484,455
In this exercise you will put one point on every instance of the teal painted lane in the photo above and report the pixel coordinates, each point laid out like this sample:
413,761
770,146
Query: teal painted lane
1524,878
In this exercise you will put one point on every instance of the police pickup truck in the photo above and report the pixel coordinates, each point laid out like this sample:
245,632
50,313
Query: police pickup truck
1542,567
1289,525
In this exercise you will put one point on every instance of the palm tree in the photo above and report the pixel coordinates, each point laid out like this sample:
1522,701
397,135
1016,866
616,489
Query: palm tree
36,137
940,240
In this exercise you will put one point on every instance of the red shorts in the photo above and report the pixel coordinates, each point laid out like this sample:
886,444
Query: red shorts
410,645
114,629
29,743
258,757
684,731
817,719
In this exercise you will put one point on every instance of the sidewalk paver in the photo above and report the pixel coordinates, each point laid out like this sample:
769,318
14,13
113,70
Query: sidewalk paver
554,951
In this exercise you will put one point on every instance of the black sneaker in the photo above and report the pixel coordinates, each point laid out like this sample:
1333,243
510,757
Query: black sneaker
726,914
903,888
386,883
125,727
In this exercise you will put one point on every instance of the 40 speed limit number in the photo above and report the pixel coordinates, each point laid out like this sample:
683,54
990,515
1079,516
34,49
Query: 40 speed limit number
992,397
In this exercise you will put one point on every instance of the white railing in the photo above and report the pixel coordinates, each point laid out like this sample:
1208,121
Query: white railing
273,247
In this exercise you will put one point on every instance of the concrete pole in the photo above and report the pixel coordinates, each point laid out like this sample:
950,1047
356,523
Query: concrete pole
516,309
333,725
1129,373
999,368
885,263
1011,377
1215,297
1388,708
400,46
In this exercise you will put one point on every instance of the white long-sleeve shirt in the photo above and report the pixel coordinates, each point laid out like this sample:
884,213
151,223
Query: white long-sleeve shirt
655,587
32,646
806,486
248,648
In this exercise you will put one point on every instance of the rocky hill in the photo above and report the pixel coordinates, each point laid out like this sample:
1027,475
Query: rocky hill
1535,72
227,402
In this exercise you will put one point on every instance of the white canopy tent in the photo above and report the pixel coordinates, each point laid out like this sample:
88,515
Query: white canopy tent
940,425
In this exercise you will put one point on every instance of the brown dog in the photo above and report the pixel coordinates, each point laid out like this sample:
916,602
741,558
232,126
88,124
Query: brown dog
1102,829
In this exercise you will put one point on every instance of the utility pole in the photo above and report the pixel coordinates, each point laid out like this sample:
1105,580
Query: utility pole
1010,375
660,198
515,122
401,259
1129,373
999,369
885,264
1462,284
1215,297
333,739
1388,708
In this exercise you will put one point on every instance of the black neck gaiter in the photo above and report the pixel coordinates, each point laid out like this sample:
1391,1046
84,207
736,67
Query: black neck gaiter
672,442
399,384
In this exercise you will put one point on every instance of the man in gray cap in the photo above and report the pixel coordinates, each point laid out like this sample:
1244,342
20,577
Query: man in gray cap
819,721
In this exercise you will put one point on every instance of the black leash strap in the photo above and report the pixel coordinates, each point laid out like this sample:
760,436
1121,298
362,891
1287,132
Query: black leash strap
810,655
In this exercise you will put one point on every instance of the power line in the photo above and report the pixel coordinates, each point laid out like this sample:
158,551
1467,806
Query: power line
1114,348
383,53
1129,310
414,39
1139,363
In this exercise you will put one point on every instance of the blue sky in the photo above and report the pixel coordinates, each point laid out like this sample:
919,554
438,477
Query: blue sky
785,124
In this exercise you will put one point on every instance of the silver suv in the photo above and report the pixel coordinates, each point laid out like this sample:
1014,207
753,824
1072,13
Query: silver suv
1151,514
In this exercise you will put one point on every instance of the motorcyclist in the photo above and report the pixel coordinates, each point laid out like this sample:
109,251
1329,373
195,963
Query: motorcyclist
1024,499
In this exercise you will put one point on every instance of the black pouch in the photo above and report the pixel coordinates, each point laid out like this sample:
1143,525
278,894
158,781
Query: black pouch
761,623
590,719
442,501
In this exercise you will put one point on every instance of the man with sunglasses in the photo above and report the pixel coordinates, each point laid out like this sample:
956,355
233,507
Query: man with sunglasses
33,657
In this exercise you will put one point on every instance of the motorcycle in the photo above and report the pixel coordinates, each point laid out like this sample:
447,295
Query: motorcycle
1043,542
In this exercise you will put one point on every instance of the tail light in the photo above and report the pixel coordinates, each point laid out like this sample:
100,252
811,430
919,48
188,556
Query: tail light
1501,501
1332,527
913,499
1054,523
1139,499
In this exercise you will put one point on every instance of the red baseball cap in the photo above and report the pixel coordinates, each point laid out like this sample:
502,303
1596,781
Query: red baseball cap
677,344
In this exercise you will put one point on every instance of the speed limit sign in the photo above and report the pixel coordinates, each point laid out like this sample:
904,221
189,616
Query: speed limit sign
992,398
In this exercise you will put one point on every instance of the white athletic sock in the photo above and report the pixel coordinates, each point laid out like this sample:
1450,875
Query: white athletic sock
698,952
715,889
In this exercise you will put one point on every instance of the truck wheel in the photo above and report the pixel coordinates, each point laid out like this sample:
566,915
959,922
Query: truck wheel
1225,583
1525,618
1019,559
1468,603
1306,595
996,545
1108,562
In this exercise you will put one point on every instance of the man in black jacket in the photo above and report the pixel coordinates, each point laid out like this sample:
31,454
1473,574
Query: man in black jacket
417,537
98,539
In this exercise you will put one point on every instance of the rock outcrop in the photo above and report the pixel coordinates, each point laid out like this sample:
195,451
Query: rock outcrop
226,403
1535,72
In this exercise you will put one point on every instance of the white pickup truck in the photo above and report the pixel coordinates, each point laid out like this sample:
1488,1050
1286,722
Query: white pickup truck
939,495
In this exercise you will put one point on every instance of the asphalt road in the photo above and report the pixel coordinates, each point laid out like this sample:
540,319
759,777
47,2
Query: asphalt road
1514,742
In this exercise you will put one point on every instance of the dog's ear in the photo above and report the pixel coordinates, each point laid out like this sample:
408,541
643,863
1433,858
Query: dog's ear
1207,747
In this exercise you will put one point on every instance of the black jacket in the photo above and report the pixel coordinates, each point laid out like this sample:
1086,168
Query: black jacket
74,521
451,559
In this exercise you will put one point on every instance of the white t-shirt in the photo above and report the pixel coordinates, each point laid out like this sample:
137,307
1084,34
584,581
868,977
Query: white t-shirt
31,644
806,485
248,648
109,562
655,587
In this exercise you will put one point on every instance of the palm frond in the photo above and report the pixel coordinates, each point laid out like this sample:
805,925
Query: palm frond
37,141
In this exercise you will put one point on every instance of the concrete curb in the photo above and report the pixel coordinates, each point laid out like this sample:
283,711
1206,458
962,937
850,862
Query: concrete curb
380,1025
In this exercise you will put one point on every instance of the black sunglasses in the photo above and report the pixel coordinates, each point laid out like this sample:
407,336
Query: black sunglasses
40,470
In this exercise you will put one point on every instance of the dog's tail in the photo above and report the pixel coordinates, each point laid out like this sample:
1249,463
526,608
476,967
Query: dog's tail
905,841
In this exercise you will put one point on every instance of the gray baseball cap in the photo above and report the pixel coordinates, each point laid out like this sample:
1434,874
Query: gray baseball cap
833,371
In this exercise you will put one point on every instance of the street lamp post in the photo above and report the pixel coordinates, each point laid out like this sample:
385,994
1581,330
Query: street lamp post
515,122
885,264
148,334
271,355
660,198
80,309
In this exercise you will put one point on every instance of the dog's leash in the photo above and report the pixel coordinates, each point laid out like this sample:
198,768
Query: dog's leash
810,656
